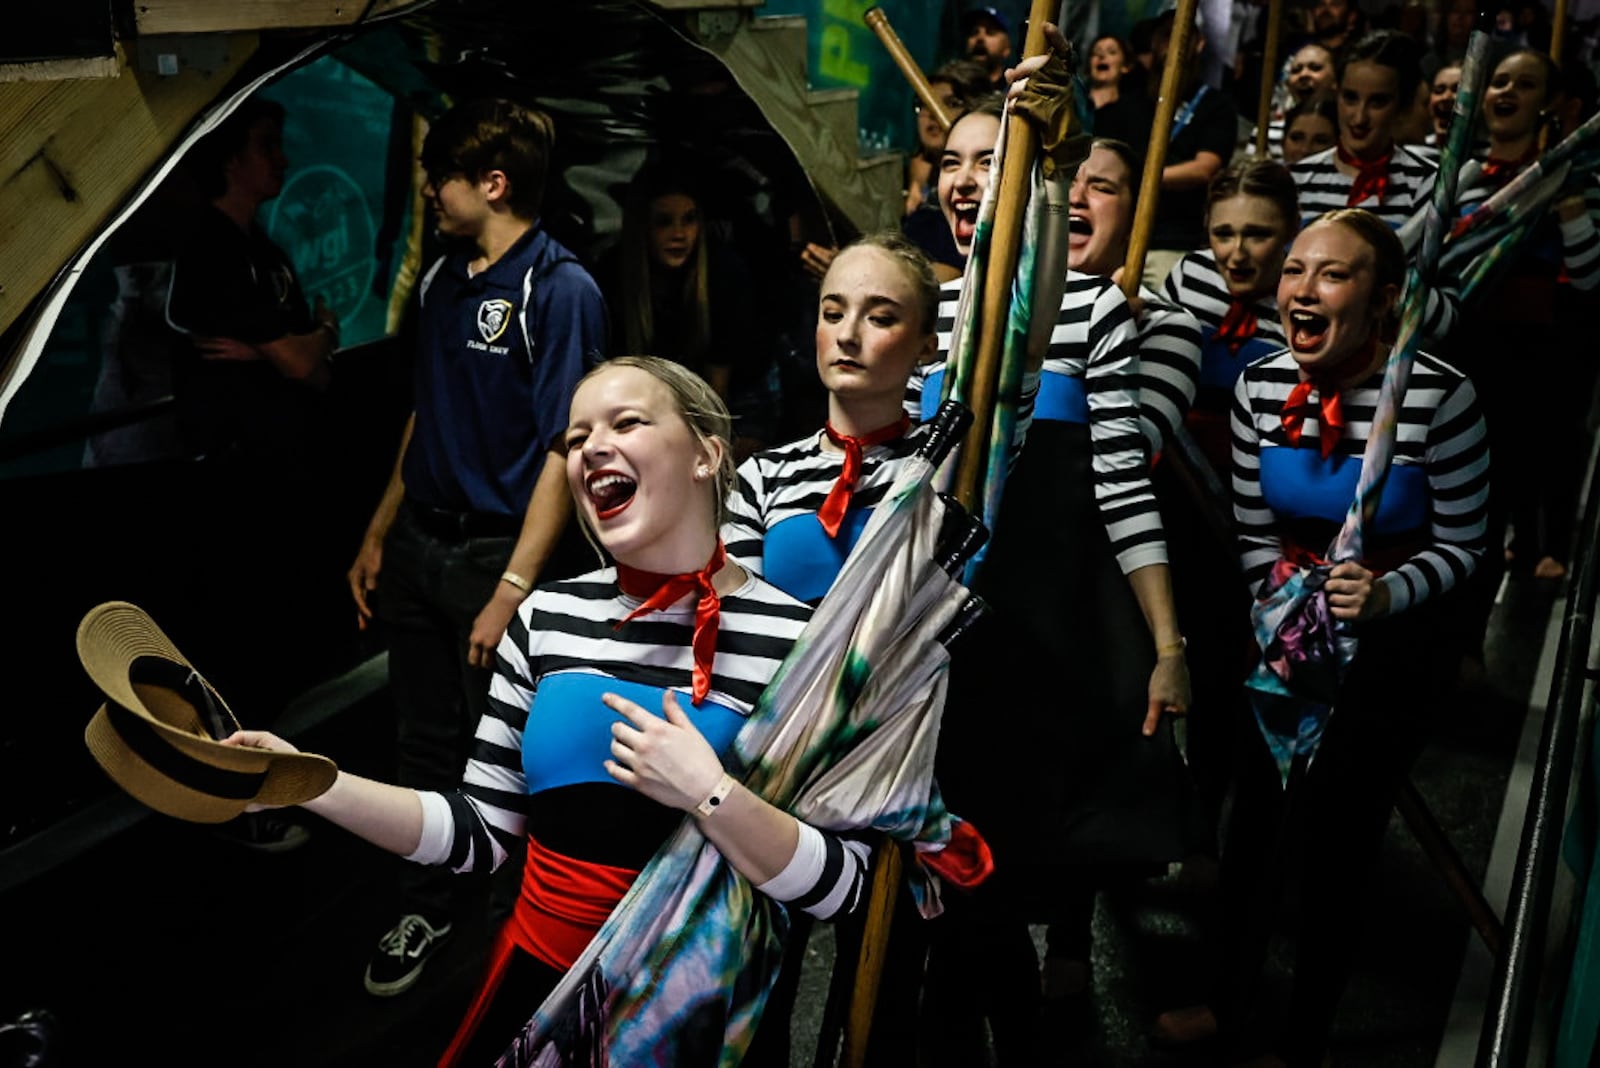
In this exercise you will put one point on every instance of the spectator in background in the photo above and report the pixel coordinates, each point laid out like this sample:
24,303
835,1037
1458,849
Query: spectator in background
986,35
1310,70
1442,101
477,502
1310,127
258,355
675,291
1110,61
1413,127
955,84
1204,131
1335,23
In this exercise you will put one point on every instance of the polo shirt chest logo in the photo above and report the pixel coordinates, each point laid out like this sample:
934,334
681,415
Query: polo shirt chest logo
494,316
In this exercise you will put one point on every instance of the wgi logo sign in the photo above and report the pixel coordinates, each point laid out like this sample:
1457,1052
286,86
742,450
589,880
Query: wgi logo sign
493,318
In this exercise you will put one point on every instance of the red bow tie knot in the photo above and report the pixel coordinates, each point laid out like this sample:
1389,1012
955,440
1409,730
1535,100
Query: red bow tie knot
1372,176
1330,417
1237,327
670,589
831,514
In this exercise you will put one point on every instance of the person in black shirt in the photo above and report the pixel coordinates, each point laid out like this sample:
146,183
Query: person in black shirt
1205,129
257,354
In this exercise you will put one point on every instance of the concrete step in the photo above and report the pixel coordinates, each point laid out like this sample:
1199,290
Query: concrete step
837,109
884,175
784,37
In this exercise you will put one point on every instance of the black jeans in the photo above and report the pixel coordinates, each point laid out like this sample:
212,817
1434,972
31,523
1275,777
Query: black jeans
1324,832
429,592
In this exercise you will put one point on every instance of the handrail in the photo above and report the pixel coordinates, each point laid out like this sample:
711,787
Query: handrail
1508,1029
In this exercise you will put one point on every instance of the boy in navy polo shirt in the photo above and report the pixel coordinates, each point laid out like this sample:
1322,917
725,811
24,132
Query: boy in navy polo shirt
509,321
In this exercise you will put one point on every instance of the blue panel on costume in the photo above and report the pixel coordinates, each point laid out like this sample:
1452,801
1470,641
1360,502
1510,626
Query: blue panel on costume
800,559
568,736
1062,399
1220,367
932,386
1300,484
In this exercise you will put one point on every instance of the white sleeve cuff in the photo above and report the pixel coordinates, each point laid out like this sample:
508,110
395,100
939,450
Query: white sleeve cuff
803,870
438,829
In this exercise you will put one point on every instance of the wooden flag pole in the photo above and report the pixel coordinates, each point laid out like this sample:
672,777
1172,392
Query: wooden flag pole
1558,40
1156,159
1558,30
1005,247
1004,251
878,22
1269,74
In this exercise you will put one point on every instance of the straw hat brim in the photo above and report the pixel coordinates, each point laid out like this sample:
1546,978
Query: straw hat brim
152,742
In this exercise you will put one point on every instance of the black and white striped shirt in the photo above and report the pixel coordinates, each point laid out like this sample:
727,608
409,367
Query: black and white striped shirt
540,747
1322,187
1434,505
1095,340
1169,365
789,483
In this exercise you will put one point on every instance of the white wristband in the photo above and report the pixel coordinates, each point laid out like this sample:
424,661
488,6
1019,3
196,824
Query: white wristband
719,794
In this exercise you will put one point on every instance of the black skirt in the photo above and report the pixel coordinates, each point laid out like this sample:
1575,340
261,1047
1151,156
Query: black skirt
1042,747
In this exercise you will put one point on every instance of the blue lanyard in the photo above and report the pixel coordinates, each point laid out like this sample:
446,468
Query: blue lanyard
1181,120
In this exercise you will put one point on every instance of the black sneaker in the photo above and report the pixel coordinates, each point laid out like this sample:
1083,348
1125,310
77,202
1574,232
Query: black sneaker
265,832
401,954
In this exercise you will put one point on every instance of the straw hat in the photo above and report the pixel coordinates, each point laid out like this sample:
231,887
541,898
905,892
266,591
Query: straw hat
156,734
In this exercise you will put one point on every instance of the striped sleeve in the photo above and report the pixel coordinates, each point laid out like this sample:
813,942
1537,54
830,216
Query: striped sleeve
1259,547
824,877
1580,241
1440,312
744,529
1169,367
1457,460
1121,462
488,813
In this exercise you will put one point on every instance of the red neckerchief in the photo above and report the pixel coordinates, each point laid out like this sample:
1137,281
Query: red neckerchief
1328,409
669,590
1238,326
1330,418
831,514
1372,178
1501,171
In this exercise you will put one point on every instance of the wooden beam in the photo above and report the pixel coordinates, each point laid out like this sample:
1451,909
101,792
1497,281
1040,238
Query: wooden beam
210,16
56,70
71,151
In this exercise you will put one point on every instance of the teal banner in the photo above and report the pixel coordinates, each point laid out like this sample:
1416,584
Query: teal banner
843,52
329,217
